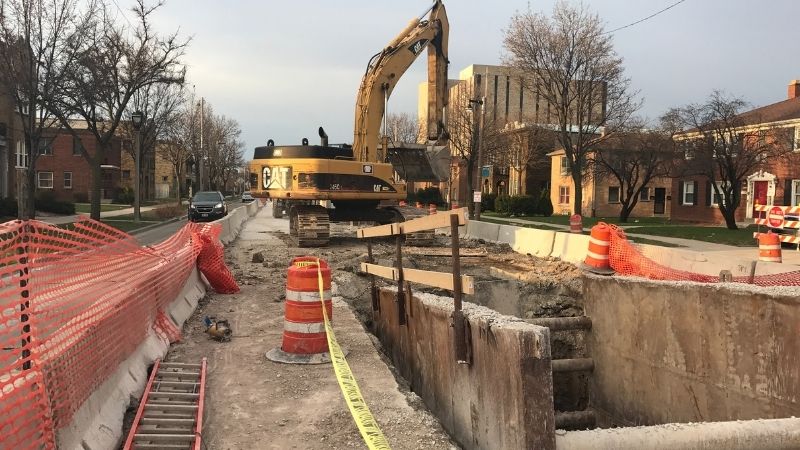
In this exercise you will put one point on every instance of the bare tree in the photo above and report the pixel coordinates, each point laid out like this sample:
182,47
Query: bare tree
39,42
525,149
720,144
402,128
633,160
467,136
111,68
571,65
160,103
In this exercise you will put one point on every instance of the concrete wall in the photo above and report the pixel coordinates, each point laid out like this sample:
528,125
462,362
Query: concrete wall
685,352
504,399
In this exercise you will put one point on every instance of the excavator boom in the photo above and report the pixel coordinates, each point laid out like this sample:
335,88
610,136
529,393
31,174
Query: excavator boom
386,68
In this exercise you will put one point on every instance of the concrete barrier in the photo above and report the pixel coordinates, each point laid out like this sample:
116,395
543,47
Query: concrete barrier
232,223
504,399
570,247
668,352
529,240
482,230
97,424
711,263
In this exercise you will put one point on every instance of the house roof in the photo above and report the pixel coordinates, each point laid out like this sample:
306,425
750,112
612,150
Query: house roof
777,112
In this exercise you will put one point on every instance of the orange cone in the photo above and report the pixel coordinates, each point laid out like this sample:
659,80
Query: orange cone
597,256
769,247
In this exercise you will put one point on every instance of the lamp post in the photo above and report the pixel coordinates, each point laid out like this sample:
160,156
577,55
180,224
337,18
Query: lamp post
472,103
137,119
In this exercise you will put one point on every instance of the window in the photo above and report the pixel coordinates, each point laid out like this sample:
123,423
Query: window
563,195
795,192
45,146
796,139
688,151
688,193
165,179
22,156
715,199
67,180
644,194
564,166
126,174
44,180
613,194
77,145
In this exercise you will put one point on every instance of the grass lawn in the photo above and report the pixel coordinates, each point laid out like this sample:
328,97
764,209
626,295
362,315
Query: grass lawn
86,207
638,240
126,225
742,237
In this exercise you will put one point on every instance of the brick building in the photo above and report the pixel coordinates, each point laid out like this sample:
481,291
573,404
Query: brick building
61,168
148,168
774,182
506,108
601,195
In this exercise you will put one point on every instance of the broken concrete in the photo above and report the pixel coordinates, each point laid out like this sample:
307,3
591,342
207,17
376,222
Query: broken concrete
504,399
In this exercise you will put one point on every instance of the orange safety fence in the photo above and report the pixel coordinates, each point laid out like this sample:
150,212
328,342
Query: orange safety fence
626,259
74,304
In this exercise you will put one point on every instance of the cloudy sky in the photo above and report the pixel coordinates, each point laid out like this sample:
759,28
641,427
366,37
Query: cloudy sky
283,68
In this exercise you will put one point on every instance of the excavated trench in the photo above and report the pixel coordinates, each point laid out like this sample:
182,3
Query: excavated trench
517,285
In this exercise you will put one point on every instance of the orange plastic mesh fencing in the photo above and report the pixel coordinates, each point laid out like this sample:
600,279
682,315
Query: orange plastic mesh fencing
211,262
74,303
626,259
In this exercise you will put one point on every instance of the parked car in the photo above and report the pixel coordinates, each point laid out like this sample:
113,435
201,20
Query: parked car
247,197
206,206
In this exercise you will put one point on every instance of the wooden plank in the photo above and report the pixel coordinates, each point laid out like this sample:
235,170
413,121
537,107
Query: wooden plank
380,230
441,280
432,222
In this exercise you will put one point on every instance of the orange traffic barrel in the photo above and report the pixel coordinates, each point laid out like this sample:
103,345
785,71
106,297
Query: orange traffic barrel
599,244
575,224
432,208
769,247
304,338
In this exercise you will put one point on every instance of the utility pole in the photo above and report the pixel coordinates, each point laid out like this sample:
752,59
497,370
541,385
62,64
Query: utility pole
137,118
202,157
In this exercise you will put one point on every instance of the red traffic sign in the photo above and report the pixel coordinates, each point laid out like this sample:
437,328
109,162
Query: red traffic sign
775,217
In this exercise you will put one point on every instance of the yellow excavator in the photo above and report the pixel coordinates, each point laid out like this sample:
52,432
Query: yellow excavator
356,183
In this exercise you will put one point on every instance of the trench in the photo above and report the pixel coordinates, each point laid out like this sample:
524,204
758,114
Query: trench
512,284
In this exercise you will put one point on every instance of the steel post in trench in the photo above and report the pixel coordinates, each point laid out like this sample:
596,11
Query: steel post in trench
459,338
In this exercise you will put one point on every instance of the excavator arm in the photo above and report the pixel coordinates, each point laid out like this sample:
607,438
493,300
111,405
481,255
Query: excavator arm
386,68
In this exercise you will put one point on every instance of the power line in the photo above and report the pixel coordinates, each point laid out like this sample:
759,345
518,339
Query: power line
122,12
646,18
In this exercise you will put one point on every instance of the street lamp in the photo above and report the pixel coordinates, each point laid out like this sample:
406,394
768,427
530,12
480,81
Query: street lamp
472,104
137,119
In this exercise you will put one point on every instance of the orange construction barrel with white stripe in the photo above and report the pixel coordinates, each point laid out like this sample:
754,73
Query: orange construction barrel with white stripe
432,208
769,247
304,338
597,255
576,224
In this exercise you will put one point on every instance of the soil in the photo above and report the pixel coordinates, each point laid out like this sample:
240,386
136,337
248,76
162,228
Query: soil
256,404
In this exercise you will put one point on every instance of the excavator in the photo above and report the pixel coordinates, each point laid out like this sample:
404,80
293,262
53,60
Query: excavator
320,184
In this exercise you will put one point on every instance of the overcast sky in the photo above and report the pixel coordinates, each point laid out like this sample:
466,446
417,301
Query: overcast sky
283,68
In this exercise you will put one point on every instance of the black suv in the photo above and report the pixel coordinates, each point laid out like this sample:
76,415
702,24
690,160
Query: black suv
207,205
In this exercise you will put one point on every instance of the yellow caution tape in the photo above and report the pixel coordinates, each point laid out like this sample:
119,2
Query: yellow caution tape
372,434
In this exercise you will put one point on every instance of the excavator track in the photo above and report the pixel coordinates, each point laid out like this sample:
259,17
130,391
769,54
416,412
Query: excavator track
309,225
420,238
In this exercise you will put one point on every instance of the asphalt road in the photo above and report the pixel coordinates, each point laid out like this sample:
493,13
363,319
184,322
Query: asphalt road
158,234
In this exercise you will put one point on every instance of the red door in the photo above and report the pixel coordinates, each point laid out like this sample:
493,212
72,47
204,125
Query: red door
759,196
